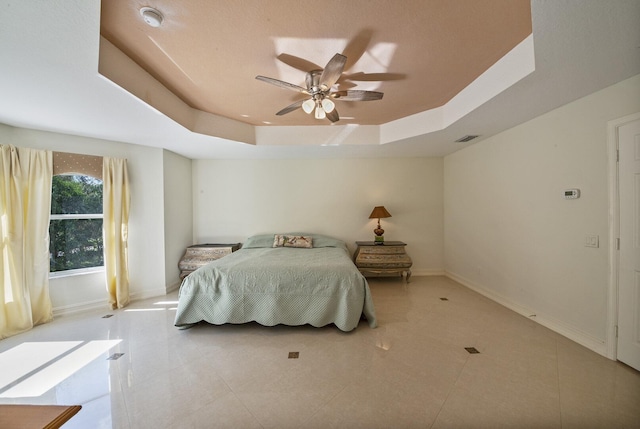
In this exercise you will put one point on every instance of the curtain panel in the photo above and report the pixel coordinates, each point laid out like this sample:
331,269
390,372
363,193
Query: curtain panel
25,207
116,199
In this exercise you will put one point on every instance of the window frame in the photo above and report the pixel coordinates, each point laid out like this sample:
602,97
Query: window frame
75,216
75,272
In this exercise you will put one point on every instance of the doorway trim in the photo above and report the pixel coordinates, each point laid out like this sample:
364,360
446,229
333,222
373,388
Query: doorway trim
614,232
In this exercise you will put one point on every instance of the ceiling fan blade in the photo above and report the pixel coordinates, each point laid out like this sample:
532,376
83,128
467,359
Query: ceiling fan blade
332,71
291,108
298,63
357,95
282,84
345,83
333,116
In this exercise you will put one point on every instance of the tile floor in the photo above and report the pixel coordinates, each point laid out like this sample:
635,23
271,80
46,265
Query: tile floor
411,372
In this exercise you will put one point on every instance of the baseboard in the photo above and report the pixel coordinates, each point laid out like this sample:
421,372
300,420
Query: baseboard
69,310
145,294
425,273
102,304
547,321
172,287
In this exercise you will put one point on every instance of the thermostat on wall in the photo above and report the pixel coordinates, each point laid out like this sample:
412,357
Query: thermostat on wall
571,194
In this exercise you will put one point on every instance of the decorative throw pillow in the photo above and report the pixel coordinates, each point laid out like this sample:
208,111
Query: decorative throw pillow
278,240
303,241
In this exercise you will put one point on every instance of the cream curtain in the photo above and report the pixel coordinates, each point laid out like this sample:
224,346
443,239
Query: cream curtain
25,207
115,183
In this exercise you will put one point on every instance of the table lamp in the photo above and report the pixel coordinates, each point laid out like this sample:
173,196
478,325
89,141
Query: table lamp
379,212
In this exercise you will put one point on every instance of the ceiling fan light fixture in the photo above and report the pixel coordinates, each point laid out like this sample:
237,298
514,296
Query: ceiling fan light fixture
308,106
151,16
328,105
318,87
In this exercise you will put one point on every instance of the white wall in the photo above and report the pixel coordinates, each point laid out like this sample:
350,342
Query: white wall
178,214
234,199
509,233
146,222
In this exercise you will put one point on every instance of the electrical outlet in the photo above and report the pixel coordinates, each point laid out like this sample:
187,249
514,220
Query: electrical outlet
592,240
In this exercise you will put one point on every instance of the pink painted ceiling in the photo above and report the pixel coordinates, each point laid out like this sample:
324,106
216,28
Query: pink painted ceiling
419,53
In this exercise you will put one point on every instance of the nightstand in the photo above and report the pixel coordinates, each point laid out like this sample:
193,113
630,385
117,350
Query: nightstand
386,259
201,254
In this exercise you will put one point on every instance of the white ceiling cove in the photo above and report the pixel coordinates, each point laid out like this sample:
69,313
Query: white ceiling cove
57,72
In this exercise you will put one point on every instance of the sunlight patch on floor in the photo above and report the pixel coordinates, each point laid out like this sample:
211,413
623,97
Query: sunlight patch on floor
40,366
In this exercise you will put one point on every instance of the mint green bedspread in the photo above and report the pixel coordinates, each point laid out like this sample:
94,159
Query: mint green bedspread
271,286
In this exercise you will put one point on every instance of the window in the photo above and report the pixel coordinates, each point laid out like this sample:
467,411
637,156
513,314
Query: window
75,230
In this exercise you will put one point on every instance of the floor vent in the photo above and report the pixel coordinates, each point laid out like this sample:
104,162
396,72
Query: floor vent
115,356
472,350
466,138
294,355
106,316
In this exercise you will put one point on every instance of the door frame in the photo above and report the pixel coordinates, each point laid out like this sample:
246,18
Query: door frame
614,232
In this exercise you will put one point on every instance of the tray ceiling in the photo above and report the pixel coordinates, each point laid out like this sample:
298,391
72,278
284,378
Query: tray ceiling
419,53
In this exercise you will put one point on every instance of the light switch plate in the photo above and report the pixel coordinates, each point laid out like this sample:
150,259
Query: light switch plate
592,240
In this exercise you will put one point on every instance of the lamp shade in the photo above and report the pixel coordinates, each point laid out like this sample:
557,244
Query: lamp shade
379,212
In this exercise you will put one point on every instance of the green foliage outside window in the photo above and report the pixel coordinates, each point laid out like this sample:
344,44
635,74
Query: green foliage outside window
75,240
76,195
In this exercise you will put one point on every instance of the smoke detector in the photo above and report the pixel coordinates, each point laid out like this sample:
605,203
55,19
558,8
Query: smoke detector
151,16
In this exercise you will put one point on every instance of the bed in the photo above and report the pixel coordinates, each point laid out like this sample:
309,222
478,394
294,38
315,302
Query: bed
304,279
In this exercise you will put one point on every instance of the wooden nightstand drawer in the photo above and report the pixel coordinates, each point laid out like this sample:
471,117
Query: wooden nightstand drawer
386,259
199,255
379,249
383,261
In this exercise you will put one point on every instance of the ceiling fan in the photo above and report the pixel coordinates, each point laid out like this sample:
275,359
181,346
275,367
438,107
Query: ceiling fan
319,84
